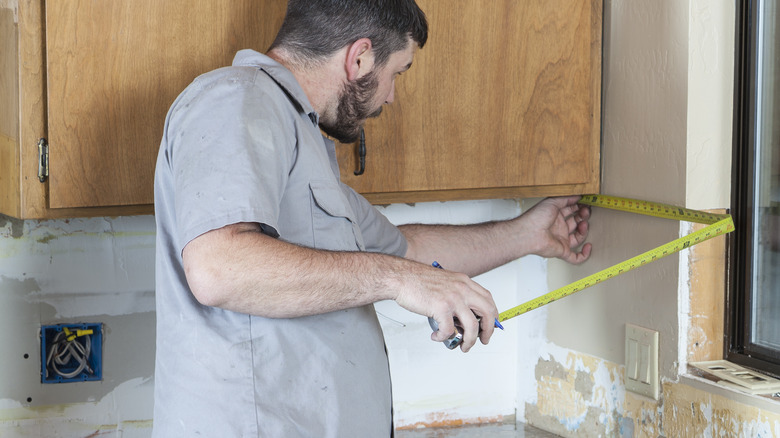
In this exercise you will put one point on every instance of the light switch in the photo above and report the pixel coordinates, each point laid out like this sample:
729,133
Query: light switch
642,361
632,359
644,364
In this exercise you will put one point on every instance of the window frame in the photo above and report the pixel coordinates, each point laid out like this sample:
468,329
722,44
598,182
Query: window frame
738,348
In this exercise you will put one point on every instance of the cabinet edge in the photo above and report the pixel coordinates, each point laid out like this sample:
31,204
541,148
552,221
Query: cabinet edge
487,193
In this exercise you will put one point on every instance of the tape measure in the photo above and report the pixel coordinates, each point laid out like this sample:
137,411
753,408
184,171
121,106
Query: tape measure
717,224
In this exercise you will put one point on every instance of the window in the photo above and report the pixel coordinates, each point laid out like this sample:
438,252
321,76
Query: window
754,303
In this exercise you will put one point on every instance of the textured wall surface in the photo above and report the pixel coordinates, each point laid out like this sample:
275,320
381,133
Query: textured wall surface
77,271
102,270
644,144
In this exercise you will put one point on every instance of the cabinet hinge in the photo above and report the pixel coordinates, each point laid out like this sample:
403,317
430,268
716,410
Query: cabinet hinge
43,160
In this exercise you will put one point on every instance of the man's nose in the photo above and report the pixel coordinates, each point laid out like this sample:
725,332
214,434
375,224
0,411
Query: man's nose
391,97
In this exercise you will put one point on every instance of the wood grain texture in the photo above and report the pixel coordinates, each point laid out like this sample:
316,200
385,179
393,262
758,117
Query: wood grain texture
707,297
504,98
9,114
114,68
31,199
504,101
32,122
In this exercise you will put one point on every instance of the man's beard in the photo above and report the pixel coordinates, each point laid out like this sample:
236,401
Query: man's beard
354,106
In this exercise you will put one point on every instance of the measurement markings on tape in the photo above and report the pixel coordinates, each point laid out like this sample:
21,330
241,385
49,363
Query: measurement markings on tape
717,224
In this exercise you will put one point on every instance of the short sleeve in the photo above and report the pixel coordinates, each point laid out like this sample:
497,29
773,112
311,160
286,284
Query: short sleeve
229,151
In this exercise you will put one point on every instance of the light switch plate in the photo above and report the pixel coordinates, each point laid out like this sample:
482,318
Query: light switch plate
642,361
738,377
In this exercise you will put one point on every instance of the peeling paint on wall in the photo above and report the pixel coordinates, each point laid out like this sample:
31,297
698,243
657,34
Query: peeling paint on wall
645,416
580,395
14,227
584,396
691,412
452,419
114,415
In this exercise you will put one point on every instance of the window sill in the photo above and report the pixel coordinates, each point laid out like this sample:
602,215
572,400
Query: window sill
696,380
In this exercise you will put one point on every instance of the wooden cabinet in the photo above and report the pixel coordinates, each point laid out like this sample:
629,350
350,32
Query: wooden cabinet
502,102
96,79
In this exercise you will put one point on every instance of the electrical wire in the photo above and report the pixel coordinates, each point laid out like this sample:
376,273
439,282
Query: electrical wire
69,353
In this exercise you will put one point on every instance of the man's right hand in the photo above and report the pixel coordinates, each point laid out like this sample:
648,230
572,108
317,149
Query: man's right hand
446,295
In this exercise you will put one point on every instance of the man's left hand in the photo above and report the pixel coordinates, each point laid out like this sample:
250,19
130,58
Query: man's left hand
561,226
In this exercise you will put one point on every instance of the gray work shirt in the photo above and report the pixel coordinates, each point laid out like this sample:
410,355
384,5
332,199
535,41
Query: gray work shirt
242,144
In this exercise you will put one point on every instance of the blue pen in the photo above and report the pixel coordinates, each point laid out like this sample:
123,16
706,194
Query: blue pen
496,323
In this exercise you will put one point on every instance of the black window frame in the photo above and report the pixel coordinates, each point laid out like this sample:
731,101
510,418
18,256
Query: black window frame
738,348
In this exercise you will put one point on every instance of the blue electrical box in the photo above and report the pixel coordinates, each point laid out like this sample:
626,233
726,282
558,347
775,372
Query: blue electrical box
71,353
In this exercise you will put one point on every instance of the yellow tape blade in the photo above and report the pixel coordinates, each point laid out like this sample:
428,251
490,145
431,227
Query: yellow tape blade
718,224
655,209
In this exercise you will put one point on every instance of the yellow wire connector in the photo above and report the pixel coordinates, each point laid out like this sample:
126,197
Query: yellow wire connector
70,336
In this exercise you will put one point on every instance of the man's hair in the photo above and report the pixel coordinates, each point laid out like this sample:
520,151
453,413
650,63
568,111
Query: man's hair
315,29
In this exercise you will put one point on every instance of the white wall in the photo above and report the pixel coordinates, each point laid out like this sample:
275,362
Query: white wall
69,271
710,101
102,270
434,386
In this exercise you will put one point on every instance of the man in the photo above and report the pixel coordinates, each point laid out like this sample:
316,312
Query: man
268,266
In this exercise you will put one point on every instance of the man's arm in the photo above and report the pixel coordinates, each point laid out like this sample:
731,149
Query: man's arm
555,227
239,268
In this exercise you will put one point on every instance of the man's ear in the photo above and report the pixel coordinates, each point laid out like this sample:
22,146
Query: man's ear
360,59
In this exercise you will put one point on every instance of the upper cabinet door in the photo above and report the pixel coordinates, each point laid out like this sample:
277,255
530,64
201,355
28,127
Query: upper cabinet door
504,100
113,68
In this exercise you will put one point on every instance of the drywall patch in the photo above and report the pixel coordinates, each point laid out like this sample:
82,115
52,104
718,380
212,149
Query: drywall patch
589,425
583,383
585,396
75,305
582,395
551,369
16,286
13,227
626,427
645,416
46,238
123,410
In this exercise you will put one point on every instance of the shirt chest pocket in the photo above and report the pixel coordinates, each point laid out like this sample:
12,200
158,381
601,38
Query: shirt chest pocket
334,226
